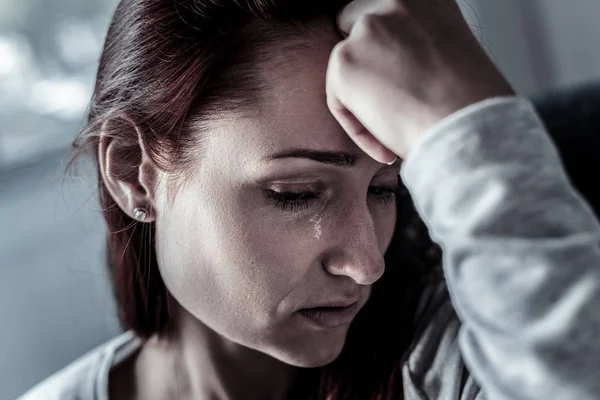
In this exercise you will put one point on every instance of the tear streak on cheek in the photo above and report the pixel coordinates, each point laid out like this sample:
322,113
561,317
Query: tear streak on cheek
317,222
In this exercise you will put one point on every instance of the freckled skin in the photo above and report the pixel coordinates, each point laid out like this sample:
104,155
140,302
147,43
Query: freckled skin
238,267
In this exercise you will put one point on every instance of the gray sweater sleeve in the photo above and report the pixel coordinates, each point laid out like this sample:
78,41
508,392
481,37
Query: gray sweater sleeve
521,251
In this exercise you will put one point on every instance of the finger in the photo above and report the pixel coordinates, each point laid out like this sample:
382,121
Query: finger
353,127
353,11
361,135
349,14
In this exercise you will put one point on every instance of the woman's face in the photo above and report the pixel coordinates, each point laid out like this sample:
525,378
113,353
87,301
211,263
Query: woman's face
241,259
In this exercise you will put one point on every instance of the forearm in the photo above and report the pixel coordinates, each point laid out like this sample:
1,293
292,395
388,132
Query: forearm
521,251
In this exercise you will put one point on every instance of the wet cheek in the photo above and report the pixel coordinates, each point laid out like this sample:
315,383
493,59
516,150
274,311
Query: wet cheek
317,226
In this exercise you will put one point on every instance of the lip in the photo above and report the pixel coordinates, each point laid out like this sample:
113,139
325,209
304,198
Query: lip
335,303
330,317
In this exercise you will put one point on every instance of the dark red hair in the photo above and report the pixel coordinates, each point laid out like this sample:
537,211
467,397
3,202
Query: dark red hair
168,63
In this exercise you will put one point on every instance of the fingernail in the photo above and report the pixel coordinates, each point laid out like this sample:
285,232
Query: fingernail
393,161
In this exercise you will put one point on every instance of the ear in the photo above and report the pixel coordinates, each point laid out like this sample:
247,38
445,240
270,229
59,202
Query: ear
128,173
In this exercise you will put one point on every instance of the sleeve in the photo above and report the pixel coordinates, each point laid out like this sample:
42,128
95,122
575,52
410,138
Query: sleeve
521,250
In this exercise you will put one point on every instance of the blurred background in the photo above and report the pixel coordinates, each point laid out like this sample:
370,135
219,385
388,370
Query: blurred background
55,301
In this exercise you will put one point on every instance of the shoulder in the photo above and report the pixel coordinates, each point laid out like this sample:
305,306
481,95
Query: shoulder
75,381
84,378
434,368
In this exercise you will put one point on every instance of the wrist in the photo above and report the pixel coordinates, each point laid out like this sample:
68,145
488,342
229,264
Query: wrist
443,119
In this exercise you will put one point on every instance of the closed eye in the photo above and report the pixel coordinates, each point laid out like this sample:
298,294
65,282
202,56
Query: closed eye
298,201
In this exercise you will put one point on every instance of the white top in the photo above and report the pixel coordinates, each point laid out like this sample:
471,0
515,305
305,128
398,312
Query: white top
87,377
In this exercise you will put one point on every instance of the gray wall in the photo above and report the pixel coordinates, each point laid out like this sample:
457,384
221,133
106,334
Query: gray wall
55,303
540,44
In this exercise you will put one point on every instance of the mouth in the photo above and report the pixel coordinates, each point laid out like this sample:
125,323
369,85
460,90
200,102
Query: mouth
330,317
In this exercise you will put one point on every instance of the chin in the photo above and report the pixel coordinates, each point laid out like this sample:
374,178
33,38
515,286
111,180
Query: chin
317,353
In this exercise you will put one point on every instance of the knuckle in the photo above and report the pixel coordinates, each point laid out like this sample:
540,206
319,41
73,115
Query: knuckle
368,24
343,54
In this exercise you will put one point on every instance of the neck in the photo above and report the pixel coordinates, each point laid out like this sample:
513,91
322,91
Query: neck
195,362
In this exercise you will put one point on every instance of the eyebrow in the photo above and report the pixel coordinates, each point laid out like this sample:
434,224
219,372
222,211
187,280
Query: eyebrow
337,158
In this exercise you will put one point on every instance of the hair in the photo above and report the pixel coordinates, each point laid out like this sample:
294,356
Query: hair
168,66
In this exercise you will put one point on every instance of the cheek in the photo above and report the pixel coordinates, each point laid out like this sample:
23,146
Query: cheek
276,258
183,249
226,265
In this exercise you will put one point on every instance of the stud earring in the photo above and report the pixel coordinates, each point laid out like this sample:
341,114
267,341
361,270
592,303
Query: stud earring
140,213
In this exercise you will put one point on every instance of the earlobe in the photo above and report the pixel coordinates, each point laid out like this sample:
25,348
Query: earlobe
126,170
140,213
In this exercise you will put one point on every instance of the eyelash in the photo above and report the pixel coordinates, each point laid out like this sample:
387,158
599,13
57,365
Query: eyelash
298,201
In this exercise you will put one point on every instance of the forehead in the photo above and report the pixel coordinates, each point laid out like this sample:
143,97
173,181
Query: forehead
293,108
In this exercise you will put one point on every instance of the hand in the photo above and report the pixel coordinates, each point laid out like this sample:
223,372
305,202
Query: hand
404,66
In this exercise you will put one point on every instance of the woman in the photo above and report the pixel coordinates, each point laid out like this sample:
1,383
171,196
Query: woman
242,150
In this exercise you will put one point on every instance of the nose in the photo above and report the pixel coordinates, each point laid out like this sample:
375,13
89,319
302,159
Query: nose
357,253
